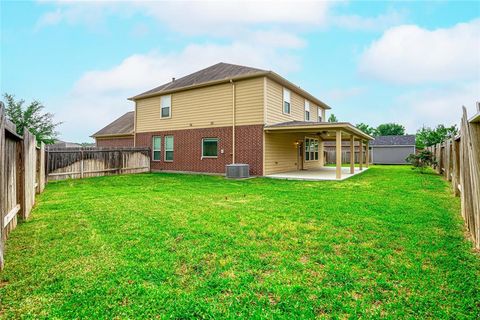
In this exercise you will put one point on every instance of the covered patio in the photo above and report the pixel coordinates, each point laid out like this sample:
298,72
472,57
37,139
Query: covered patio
325,173
294,150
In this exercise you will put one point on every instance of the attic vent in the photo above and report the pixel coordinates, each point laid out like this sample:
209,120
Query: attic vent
237,171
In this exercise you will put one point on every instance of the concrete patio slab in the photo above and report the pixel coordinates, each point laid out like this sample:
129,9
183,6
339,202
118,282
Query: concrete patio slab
325,173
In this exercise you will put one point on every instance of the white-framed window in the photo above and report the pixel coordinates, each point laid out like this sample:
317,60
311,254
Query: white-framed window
209,147
286,101
166,106
156,148
168,141
307,110
320,118
311,149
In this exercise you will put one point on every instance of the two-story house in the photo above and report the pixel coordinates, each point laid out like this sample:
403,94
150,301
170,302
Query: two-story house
231,114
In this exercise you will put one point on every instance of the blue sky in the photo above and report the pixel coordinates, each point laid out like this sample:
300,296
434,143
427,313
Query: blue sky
414,63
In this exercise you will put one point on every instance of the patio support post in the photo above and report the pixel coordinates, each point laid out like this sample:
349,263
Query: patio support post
352,154
338,149
367,155
360,155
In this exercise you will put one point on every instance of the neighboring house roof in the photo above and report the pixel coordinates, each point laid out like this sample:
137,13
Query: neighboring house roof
63,144
220,73
405,140
119,127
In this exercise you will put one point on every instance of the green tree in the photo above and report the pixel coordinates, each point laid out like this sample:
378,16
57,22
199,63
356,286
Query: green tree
366,128
427,137
332,118
390,129
32,118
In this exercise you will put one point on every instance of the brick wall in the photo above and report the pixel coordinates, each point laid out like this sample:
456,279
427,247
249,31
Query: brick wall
188,149
114,142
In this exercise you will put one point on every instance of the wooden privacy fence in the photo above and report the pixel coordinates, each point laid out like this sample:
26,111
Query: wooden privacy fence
330,157
22,168
77,163
458,160
25,168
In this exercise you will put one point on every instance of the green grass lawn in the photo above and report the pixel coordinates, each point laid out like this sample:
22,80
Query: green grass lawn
387,243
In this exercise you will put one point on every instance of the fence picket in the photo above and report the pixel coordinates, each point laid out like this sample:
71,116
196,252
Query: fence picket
459,163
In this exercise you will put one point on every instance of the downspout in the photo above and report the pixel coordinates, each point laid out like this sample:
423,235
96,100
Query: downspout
135,125
233,121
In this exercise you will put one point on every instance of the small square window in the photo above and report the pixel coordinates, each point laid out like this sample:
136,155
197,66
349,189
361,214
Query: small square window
209,148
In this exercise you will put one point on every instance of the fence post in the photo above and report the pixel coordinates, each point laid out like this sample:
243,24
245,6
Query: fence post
2,179
20,168
456,167
81,164
122,164
41,168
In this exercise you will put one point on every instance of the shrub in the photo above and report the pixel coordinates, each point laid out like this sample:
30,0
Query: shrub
422,160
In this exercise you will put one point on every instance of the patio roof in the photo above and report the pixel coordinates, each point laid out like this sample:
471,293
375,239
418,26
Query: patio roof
321,128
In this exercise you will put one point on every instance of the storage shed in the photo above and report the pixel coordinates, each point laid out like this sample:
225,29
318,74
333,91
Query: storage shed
392,149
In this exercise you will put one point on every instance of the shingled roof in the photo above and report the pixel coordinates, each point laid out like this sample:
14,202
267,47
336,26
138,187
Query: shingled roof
406,140
121,126
218,71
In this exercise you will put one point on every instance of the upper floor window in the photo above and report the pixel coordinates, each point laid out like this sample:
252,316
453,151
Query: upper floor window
165,106
307,110
168,148
156,148
286,101
320,115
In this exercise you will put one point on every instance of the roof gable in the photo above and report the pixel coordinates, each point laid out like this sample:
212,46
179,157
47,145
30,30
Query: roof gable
120,126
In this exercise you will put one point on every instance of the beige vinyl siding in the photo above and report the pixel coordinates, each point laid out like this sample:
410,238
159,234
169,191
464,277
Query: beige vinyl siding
249,102
281,153
205,107
274,105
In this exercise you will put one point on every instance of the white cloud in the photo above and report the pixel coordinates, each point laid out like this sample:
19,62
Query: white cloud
436,106
50,18
195,17
206,17
103,93
220,18
410,54
89,13
357,23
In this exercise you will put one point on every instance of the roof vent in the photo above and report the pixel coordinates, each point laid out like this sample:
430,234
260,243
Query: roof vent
237,171
173,79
